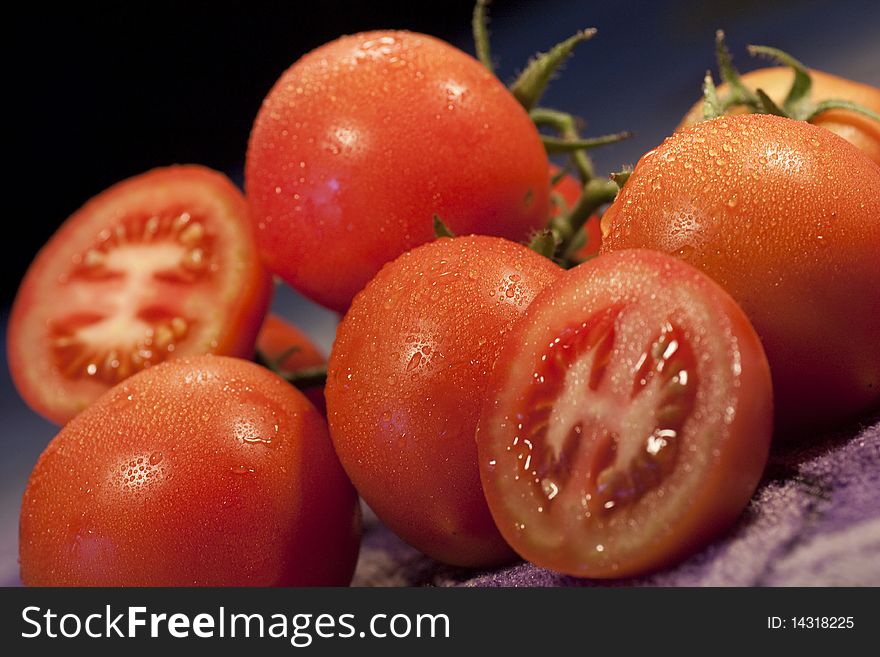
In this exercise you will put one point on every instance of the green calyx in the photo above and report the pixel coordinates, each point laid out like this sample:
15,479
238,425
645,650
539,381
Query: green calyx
797,104
564,234
441,229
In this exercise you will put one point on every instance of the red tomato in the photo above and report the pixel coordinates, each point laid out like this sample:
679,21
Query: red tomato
279,337
858,129
163,264
629,420
363,140
569,190
406,380
209,471
786,217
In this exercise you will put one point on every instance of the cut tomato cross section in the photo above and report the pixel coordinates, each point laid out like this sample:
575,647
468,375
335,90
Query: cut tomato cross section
629,418
157,266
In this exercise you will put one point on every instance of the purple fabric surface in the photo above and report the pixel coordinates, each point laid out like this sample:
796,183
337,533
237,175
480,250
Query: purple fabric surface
814,521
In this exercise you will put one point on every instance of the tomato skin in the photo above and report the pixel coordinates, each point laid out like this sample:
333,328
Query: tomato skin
363,140
857,129
786,217
278,336
229,315
203,491
406,378
724,439
569,188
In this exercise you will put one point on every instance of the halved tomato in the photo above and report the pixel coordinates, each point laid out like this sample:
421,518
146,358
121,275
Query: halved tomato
163,264
629,420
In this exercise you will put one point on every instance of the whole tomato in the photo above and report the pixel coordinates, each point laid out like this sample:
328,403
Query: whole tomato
209,471
406,381
363,140
858,129
786,216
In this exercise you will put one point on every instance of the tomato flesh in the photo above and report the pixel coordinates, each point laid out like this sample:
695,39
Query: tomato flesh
630,420
158,266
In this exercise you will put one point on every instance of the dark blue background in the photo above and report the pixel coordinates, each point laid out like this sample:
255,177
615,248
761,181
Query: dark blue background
106,91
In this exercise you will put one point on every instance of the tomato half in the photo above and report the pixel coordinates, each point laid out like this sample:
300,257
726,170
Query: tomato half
158,266
279,338
786,217
209,471
407,375
363,140
861,131
629,420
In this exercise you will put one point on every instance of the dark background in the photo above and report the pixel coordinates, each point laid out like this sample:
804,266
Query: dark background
103,91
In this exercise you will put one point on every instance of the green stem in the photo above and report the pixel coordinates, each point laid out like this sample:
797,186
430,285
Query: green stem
566,126
479,24
831,104
555,145
544,243
307,377
595,194
799,93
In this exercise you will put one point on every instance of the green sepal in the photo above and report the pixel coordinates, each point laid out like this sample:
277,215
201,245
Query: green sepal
799,94
767,106
711,104
556,145
544,243
532,82
440,228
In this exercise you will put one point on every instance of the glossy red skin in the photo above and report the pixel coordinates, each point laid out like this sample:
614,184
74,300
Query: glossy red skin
224,498
859,130
230,312
277,336
405,383
795,240
570,189
363,140
723,444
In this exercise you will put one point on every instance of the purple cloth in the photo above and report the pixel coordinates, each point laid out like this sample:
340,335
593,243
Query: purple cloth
814,521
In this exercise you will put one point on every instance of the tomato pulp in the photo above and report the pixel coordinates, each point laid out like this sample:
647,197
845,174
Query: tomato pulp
161,265
629,420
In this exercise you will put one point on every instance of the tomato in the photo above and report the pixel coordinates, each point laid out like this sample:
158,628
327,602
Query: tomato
209,471
629,421
786,217
405,383
568,190
363,140
281,339
163,264
861,131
